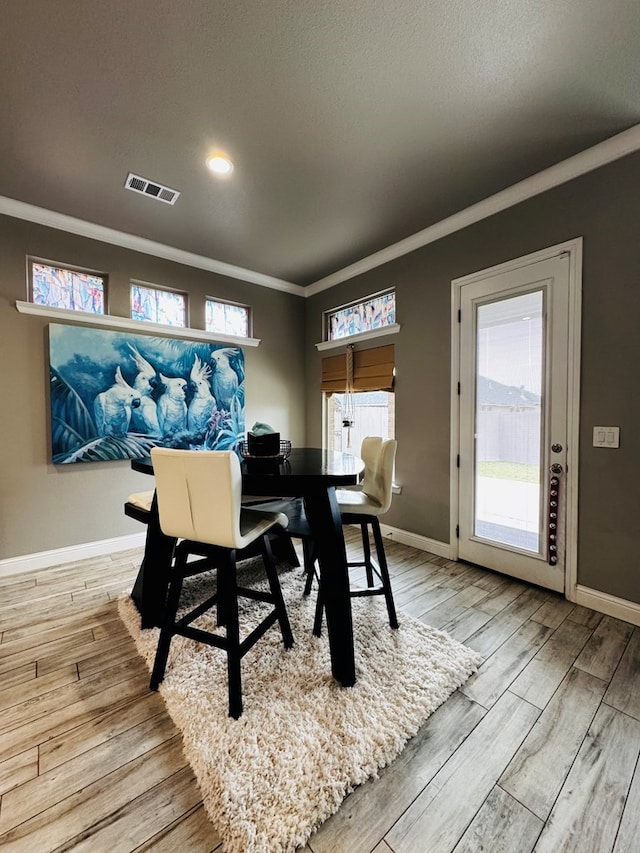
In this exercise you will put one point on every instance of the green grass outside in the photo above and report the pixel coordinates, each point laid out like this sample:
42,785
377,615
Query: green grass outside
519,471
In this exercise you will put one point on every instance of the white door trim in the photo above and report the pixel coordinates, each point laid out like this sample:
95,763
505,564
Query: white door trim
574,250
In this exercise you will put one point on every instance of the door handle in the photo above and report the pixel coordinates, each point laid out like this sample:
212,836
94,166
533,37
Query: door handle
554,501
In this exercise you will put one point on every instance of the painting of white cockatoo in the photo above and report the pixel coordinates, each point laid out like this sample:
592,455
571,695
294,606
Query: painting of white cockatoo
224,382
112,408
203,403
117,395
172,405
145,418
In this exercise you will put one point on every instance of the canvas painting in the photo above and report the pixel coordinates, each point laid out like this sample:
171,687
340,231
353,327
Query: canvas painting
115,395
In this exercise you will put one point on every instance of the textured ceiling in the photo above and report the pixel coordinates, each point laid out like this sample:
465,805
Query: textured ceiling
352,123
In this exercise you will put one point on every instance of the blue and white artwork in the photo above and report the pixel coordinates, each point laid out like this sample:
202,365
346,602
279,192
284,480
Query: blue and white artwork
115,395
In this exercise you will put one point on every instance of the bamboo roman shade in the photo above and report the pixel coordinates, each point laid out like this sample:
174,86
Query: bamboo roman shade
372,371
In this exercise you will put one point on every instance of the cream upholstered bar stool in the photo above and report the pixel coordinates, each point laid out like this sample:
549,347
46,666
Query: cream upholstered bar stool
363,506
138,506
199,503
369,453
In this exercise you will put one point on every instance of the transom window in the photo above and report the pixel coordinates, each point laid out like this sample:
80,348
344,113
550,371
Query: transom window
158,305
374,312
227,318
66,287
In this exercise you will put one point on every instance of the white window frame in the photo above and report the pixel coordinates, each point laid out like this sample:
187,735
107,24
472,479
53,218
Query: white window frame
247,308
372,334
355,302
73,268
152,286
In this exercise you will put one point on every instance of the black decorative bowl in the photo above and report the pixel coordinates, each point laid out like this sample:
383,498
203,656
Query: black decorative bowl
285,451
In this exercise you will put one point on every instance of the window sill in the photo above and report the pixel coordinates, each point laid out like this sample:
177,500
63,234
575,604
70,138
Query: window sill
363,336
133,325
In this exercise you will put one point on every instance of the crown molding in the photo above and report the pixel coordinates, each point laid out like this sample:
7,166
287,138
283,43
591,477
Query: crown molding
586,161
52,219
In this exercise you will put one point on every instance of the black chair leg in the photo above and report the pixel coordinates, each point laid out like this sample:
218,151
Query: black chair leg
229,592
317,621
226,601
221,602
369,564
384,572
366,549
166,631
309,554
276,592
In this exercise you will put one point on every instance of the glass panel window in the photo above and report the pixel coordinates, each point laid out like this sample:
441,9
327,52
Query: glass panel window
64,287
156,305
509,420
225,318
375,312
371,413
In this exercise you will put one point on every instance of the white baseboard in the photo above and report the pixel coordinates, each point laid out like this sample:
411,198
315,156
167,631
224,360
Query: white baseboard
433,546
58,556
619,608
602,602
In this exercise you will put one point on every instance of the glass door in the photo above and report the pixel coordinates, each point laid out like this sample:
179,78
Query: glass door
513,394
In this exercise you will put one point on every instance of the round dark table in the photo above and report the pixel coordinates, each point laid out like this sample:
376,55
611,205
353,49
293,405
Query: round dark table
309,473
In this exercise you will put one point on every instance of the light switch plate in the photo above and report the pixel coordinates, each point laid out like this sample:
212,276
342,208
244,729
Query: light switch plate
606,436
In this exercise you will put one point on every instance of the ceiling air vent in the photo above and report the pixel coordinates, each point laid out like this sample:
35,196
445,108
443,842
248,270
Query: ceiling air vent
142,185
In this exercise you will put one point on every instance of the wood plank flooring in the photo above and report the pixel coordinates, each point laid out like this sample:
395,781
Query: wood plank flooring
538,751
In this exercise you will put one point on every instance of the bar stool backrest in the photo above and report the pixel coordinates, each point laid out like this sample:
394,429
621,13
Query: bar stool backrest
369,453
379,484
199,495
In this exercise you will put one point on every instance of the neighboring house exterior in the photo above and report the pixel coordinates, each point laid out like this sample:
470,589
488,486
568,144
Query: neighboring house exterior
508,423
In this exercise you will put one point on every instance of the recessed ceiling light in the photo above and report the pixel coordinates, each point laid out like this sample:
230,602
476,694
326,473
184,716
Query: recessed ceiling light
220,165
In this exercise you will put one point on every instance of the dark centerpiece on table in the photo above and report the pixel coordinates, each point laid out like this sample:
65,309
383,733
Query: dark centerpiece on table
267,444
263,444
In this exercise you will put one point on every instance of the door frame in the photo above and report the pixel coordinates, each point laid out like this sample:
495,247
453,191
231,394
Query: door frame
574,250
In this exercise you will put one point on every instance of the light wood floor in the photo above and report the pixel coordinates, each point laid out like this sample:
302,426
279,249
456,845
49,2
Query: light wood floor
537,751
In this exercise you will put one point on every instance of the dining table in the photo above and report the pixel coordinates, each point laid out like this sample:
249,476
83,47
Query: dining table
309,473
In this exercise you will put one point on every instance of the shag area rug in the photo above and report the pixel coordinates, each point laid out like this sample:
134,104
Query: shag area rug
269,779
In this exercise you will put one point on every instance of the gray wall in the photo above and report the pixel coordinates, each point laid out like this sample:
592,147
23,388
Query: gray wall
604,208
45,506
